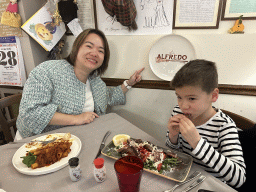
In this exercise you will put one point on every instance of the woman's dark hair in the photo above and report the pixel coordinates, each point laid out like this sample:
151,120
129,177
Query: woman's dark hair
79,42
198,72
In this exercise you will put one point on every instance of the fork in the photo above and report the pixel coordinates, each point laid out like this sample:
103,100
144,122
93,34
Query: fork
43,142
191,177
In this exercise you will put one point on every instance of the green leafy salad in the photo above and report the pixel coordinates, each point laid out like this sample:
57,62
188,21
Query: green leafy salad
153,158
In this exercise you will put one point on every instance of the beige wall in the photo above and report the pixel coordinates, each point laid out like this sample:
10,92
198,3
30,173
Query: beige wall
150,109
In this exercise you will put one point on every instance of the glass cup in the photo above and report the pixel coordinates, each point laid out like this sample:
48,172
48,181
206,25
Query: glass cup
129,171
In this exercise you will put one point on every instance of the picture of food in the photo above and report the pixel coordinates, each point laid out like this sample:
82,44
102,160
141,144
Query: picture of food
42,32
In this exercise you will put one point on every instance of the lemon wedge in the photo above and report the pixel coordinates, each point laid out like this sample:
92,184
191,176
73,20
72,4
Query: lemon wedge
119,139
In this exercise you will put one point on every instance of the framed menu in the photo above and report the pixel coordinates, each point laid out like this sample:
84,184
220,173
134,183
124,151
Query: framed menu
86,14
232,9
194,14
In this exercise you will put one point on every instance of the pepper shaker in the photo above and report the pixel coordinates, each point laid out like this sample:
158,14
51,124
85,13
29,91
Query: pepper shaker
99,170
75,172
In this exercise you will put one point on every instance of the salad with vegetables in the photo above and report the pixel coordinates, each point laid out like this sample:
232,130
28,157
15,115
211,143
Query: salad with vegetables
154,159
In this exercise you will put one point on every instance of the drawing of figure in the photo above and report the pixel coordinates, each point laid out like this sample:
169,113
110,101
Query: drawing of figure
44,31
161,19
149,7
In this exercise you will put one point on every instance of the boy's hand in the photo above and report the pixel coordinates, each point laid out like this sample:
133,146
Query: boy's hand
189,131
174,129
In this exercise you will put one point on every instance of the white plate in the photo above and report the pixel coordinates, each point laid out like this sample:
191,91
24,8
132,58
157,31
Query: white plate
176,49
22,168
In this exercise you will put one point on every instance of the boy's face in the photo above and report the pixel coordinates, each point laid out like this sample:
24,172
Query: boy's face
195,103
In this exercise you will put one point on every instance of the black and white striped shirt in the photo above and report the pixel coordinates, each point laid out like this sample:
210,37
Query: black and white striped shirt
219,150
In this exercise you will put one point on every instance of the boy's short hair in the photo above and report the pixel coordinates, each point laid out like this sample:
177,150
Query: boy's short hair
197,72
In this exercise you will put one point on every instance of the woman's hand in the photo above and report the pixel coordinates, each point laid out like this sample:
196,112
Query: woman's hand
136,77
85,118
66,119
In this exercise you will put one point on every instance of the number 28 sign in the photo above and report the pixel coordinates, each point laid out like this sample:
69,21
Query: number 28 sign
12,70
8,57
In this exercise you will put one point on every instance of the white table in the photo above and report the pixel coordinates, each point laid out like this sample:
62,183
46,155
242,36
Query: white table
91,136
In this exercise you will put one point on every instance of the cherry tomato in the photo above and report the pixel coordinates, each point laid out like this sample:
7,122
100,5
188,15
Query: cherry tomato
159,166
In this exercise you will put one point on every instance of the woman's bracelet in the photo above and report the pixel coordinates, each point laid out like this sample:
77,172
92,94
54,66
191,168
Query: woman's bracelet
126,85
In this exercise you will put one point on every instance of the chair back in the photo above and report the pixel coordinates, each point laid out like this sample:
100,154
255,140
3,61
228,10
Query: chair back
241,122
4,122
247,138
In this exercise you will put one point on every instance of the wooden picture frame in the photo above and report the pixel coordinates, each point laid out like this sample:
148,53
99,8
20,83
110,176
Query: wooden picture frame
214,10
229,10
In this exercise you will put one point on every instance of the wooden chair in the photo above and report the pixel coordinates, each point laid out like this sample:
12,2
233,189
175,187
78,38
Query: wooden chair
7,124
247,139
241,122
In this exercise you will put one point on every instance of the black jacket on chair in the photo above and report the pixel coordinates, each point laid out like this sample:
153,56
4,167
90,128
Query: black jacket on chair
247,138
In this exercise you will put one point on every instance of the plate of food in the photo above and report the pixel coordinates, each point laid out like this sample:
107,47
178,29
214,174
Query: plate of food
37,159
170,164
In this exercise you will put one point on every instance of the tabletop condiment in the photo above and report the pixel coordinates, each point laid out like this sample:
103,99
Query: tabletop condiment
75,172
99,170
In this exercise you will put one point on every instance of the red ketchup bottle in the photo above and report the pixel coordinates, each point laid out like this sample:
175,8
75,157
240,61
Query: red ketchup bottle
99,170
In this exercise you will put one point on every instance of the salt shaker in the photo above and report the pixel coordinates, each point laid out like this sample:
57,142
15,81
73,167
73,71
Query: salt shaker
75,172
99,170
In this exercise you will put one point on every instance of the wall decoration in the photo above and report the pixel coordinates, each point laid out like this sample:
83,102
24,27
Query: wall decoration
6,30
232,9
123,11
153,17
12,69
238,27
194,14
43,29
55,53
169,54
68,10
86,16
10,16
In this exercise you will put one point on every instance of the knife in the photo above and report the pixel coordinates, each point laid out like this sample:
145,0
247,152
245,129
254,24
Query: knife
102,145
197,182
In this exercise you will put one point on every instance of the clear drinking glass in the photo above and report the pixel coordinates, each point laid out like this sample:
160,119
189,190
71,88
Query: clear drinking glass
129,171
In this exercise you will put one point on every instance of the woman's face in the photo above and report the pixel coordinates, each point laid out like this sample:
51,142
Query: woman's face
90,55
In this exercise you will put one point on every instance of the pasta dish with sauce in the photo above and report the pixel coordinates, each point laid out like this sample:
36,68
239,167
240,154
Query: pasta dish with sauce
48,154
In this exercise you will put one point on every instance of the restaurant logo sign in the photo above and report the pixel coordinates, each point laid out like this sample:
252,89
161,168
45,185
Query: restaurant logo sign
171,57
169,54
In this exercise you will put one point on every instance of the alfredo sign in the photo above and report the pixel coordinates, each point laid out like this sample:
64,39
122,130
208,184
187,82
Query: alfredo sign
169,54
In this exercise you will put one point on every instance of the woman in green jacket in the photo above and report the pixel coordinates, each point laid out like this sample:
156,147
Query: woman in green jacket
70,92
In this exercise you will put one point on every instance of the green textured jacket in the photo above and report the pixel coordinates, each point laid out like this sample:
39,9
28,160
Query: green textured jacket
53,87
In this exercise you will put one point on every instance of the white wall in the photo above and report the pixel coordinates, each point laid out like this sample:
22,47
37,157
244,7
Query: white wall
150,109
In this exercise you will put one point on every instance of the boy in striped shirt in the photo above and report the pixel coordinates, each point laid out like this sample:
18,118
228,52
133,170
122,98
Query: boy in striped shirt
202,131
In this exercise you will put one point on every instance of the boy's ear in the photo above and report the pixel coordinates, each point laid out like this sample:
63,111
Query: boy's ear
215,95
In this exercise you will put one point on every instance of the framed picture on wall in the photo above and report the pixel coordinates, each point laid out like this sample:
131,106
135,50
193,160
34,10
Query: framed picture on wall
194,14
86,14
232,9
